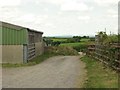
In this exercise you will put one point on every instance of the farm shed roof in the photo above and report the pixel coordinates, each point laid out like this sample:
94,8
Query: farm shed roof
17,27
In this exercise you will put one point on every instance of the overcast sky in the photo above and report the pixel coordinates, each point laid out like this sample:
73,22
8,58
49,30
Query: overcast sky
62,17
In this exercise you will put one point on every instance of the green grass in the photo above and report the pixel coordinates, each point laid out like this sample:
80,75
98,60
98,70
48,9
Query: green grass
84,40
65,39
59,39
98,75
78,46
72,44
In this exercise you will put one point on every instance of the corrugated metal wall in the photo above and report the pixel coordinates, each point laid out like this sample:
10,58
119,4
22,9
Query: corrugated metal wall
12,36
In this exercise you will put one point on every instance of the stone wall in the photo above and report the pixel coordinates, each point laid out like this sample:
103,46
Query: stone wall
39,48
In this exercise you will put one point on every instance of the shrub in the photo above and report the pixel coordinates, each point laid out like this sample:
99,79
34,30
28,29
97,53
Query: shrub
82,48
61,50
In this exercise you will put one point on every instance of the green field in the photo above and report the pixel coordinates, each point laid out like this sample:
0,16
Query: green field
65,39
84,40
59,39
73,44
79,46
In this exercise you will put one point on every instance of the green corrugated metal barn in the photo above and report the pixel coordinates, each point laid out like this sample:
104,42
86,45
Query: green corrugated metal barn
19,44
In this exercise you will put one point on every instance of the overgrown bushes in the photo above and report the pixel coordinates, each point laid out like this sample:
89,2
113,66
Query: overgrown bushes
80,48
106,50
61,50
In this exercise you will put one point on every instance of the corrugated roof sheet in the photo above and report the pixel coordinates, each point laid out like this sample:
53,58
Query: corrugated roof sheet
17,27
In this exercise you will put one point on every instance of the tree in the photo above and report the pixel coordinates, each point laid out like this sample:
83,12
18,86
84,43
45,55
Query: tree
77,38
85,37
56,43
102,37
48,41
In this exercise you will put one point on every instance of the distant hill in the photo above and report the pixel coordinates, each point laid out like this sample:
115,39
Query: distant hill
66,36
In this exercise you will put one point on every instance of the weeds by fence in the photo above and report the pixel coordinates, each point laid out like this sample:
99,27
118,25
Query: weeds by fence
108,54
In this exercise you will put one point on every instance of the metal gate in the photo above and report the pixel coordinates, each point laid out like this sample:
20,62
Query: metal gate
25,50
31,51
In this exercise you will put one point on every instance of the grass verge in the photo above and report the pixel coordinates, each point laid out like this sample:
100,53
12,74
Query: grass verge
98,76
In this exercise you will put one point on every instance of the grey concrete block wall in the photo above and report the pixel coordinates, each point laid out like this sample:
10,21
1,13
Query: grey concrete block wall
12,54
39,48
0,53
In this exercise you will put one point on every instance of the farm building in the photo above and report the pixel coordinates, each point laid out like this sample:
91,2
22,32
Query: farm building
19,44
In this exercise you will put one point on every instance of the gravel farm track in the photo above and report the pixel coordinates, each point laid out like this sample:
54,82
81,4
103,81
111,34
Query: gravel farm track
55,72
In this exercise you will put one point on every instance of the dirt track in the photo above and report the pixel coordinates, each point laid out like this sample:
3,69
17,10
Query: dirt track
56,72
